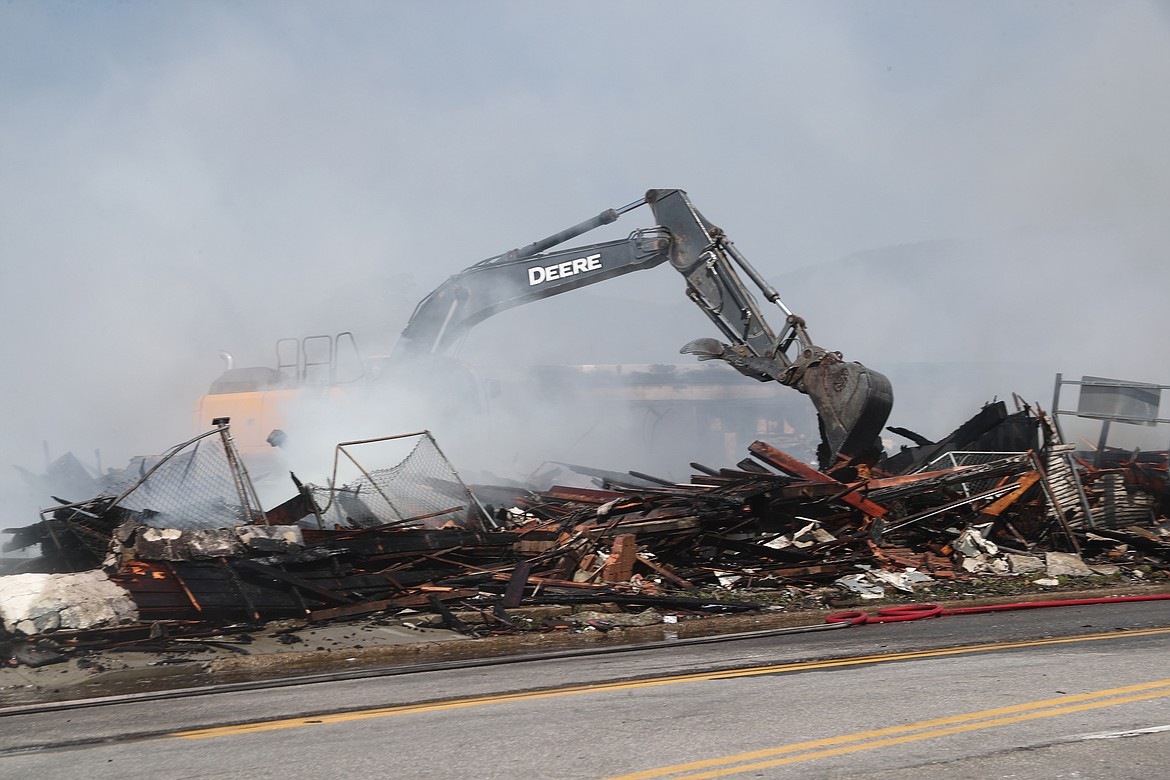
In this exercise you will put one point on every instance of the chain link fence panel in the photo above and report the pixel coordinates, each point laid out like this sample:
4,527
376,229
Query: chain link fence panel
421,489
197,485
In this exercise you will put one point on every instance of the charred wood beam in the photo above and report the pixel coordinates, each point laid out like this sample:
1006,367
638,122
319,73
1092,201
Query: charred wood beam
749,466
583,495
652,478
796,468
516,584
450,619
289,579
246,599
666,574
917,438
651,526
710,472
813,573
412,540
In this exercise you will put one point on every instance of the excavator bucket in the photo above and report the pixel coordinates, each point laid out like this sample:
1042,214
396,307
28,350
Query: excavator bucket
853,403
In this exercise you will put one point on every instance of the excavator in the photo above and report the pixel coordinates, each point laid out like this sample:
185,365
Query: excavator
852,402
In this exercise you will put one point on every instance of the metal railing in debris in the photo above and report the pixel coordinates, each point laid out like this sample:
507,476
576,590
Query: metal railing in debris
200,483
963,458
421,489
1062,485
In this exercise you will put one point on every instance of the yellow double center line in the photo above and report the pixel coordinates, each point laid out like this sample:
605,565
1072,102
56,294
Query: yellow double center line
548,693
900,735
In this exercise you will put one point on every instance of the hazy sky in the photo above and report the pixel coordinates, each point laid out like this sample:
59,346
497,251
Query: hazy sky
178,178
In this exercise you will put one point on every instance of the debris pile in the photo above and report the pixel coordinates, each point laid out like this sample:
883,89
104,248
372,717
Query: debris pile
1000,496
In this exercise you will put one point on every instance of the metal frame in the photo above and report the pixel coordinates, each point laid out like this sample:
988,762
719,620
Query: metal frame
250,504
340,450
1105,420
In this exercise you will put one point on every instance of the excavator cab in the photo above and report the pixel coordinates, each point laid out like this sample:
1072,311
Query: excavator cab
258,399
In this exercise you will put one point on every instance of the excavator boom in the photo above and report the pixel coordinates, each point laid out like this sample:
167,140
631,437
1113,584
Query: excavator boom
852,401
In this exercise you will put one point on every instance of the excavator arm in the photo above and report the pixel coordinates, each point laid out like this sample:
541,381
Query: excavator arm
852,401
524,275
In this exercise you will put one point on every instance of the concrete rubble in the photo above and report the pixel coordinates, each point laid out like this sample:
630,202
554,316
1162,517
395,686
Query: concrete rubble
41,603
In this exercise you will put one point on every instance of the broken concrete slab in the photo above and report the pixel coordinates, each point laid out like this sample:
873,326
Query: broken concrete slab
1024,564
36,603
1106,570
1066,564
271,538
173,544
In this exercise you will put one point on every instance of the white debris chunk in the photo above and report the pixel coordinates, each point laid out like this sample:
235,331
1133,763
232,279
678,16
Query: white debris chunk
861,585
1106,570
1024,564
171,544
975,563
972,542
1068,564
607,507
727,578
36,603
902,580
271,538
811,534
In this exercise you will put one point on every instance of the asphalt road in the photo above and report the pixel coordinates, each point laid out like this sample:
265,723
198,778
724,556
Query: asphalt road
1076,692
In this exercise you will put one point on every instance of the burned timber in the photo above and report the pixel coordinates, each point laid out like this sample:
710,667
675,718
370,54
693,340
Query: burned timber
179,549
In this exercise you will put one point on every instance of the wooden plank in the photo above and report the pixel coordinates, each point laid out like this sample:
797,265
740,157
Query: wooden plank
796,468
807,490
822,571
651,526
881,483
997,507
666,573
350,610
584,495
516,584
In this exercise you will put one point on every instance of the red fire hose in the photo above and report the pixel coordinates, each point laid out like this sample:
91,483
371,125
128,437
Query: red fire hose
923,611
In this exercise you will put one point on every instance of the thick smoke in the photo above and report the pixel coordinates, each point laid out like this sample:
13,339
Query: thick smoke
183,179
